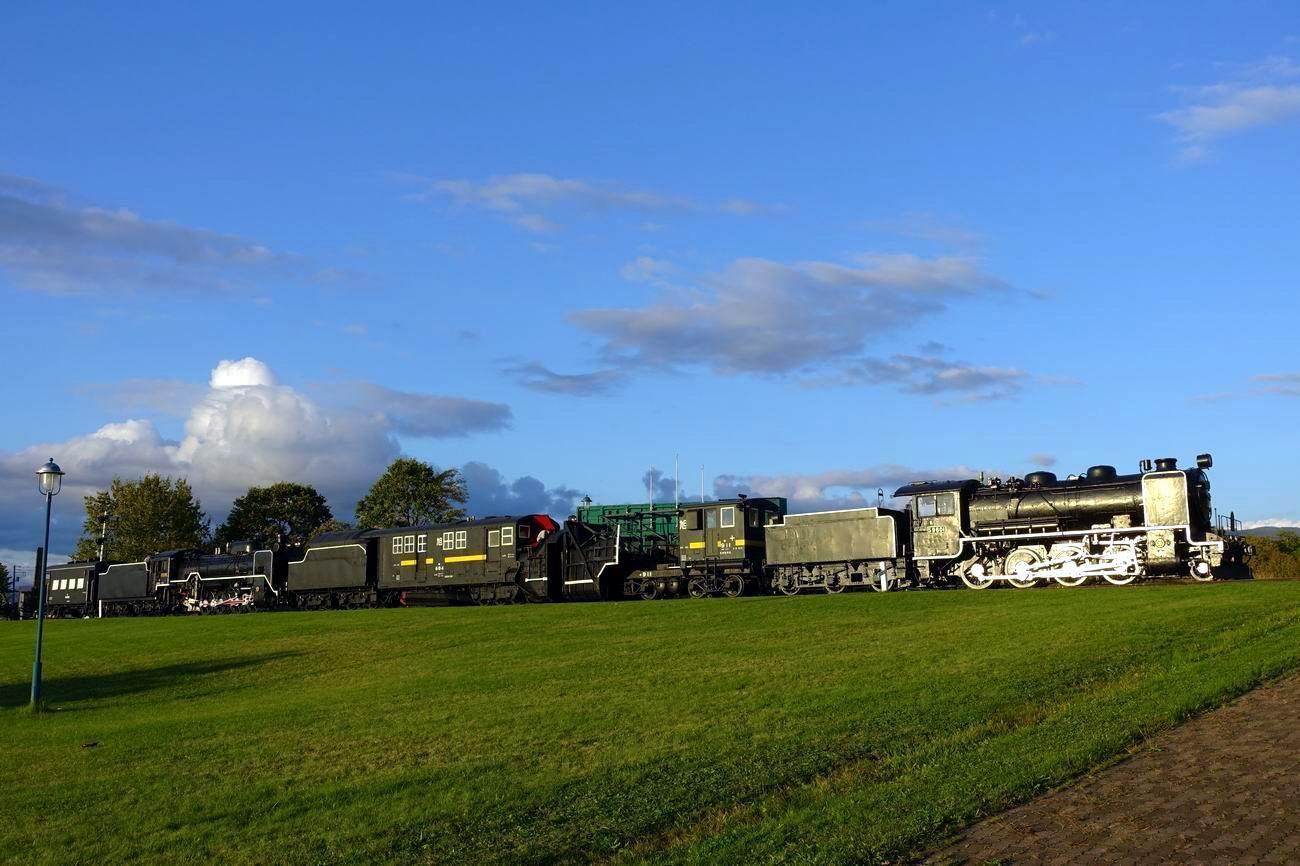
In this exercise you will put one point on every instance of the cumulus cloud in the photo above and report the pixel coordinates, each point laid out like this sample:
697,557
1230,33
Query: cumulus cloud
836,488
48,244
246,429
538,377
762,316
1257,95
532,200
491,494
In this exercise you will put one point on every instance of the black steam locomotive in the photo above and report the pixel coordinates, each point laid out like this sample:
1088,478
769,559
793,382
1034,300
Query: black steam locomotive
1020,532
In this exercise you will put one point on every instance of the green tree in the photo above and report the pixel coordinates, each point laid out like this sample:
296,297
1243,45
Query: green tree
7,585
145,516
333,525
411,492
284,512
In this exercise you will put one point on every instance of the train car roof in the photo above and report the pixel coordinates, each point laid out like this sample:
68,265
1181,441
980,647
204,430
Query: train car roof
358,534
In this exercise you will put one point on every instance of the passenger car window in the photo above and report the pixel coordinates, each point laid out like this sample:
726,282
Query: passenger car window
925,506
729,517
711,518
397,544
507,536
460,539
494,538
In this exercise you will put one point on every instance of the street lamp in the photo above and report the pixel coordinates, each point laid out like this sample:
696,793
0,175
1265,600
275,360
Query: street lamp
49,480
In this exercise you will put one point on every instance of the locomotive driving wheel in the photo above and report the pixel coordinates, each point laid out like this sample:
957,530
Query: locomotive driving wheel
1019,567
975,576
1067,555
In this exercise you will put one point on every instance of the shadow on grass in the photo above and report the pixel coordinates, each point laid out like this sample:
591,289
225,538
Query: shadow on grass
61,691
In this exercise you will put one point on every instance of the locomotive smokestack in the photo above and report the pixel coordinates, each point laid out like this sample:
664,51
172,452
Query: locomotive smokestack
1165,464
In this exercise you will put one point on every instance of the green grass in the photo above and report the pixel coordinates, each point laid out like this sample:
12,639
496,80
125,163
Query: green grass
860,727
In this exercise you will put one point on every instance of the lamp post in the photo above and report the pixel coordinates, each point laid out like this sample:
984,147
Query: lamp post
49,479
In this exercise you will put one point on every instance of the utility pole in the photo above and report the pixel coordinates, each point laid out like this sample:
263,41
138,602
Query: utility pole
103,534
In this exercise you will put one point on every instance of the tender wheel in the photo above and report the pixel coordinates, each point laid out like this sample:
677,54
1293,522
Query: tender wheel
1019,567
834,586
696,588
788,586
976,578
1070,576
733,586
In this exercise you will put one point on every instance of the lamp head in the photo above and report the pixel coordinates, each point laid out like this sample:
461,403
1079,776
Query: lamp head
49,478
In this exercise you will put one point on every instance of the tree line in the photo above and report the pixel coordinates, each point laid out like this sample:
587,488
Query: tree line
135,518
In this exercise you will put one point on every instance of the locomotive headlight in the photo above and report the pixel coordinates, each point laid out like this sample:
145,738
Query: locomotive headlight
1204,461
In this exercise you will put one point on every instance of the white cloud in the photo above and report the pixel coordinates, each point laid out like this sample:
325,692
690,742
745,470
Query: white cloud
1257,95
836,488
762,316
531,200
1284,384
50,245
245,430
930,375
1041,459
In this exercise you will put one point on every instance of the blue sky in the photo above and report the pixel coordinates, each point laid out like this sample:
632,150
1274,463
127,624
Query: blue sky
818,251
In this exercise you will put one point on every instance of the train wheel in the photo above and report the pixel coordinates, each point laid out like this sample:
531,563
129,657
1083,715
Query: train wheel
1066,553
1202,571
650,590
733,586
697,589
1121,579
1018,567
834,586
788,588
975,578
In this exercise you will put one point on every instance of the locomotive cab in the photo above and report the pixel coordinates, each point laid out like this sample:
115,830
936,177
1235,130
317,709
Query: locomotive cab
937,509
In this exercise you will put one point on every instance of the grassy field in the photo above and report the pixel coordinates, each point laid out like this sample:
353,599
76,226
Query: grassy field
827,729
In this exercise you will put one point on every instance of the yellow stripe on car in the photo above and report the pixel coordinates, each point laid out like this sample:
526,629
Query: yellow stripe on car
473,557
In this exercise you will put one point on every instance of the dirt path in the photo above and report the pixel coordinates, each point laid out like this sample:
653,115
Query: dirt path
1222,789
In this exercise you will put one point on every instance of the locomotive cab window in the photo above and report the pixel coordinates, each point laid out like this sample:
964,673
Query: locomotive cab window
754,516
729,517
925,506
523,530
945,504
